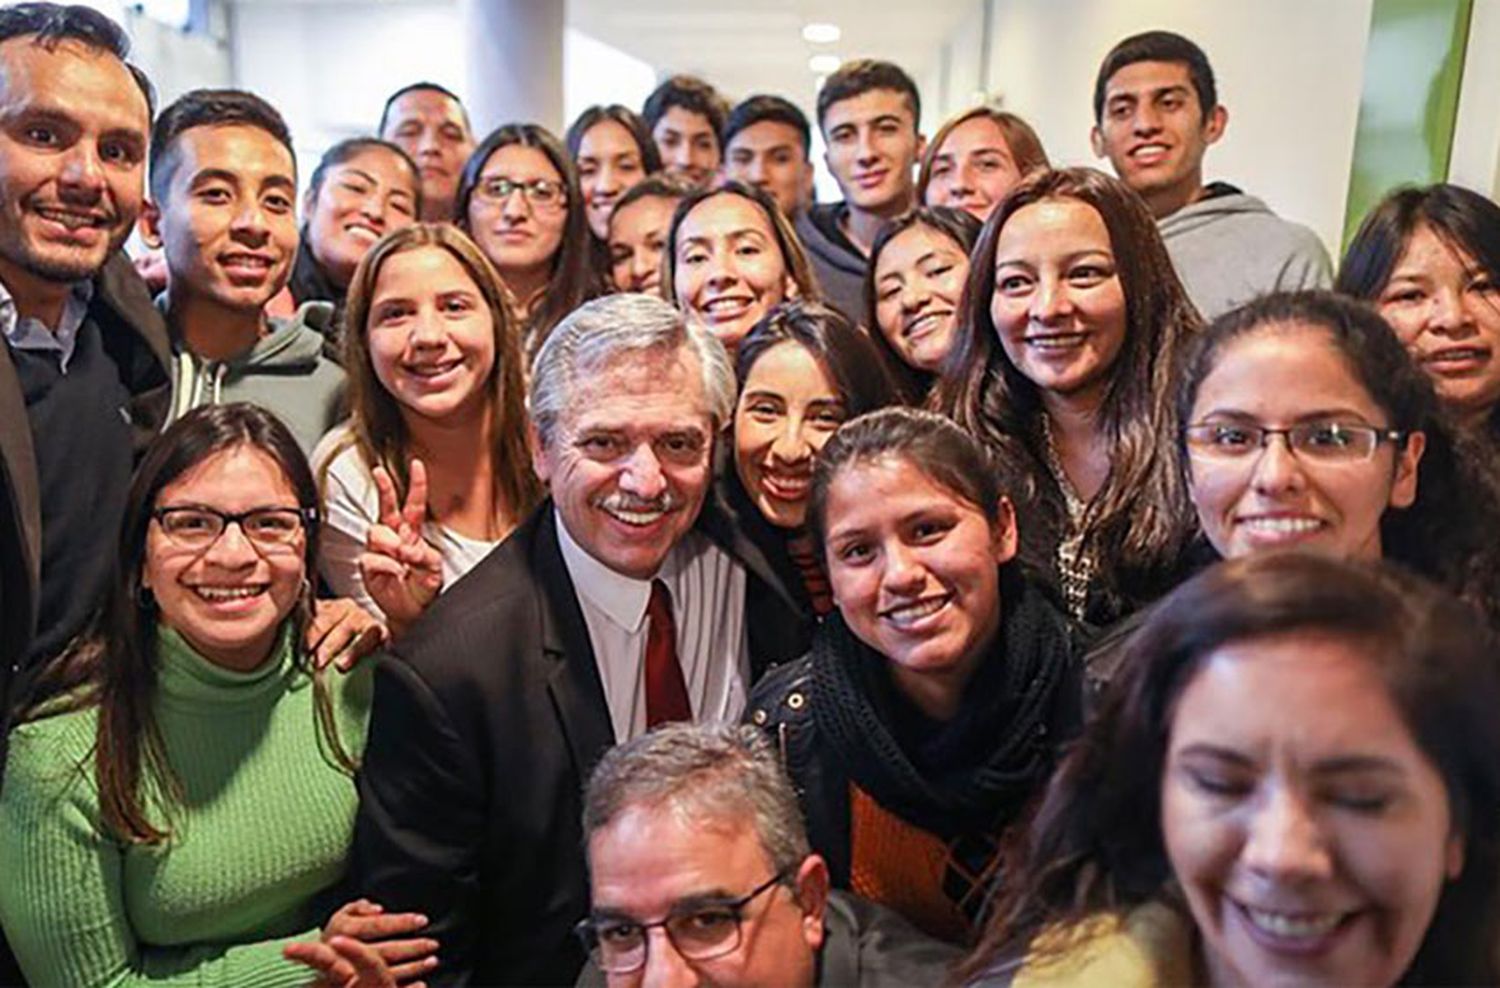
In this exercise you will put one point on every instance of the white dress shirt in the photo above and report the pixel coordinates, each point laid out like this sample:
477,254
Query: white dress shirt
708,605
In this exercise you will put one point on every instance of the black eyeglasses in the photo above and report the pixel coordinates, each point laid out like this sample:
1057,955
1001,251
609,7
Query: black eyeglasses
538,191
700,931
197,527
1329,442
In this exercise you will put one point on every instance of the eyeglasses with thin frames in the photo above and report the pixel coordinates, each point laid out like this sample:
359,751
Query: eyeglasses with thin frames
1322,442
197,527
541,193
701,932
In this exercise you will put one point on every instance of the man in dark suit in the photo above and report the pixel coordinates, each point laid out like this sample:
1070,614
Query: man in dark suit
620,603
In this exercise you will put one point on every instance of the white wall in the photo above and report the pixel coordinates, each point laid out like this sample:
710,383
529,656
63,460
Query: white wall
1290,73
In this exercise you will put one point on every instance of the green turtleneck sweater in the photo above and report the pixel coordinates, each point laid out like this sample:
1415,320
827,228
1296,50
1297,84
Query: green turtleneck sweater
264,826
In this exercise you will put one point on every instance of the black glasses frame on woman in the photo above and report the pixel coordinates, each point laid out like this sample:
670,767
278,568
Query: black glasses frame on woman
197,526
700,930
1321,441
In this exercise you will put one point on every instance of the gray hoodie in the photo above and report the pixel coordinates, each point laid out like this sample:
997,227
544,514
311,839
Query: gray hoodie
836,263
285,372
1229,247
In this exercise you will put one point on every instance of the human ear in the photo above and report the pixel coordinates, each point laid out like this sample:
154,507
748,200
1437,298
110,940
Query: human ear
540,462
812,896
1096,141
1408,458
1453,856
1214,124
1004,535
149,224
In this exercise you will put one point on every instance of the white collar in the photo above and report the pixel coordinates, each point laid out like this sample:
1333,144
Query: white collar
623,599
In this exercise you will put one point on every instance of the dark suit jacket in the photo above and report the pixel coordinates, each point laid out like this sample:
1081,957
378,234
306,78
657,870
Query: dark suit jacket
488,717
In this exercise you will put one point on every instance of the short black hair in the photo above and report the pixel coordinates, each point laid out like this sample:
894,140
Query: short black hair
53,23
1158,46
209,108
863,75
776,109
691,94
417,87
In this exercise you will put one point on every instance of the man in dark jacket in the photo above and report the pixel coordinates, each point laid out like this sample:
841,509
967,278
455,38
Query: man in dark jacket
83,380
620,603
870,114
700,871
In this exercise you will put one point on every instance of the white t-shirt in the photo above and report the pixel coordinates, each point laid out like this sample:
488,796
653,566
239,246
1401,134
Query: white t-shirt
351,504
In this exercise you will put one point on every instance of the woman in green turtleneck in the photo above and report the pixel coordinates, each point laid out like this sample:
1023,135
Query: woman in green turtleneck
174,818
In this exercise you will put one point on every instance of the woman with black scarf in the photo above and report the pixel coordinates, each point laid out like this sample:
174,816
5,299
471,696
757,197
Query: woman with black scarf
932,706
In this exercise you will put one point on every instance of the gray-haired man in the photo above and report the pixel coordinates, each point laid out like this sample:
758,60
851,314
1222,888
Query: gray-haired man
618,604
701,874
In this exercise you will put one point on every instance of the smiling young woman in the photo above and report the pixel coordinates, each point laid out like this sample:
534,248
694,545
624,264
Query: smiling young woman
802,372
933,703
437,409
1429,260
1305,425
1340,832
731,255
133,823
1071,326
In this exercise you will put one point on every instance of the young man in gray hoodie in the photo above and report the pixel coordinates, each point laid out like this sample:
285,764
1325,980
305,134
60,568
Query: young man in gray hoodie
870,115
223,206
1156,111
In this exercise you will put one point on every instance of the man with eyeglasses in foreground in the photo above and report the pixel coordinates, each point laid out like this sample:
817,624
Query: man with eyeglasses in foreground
701,873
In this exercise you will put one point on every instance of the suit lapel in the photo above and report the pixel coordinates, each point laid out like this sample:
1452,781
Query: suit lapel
573,679
18,458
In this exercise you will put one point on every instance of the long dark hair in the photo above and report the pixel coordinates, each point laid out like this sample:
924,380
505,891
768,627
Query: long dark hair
644,146
846,355
792,254
1461,219
573,278
1448,533
955,224
1133,524
114,665
1095,844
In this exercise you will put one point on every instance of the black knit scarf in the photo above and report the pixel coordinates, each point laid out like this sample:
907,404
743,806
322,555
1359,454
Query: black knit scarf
976,772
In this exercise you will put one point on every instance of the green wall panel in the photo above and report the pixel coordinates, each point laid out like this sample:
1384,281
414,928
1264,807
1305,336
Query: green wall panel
1413,67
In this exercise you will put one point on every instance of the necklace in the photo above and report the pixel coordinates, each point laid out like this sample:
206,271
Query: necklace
1075,565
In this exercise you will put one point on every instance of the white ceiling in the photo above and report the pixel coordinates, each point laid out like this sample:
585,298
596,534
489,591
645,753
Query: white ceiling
748,46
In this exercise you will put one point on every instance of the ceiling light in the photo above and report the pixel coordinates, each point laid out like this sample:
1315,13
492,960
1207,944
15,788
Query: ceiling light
821,34
824,64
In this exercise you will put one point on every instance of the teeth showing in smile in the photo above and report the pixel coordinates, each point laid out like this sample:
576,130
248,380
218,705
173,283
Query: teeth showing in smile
726,306
909,614
228,593
1290,927
71,220
1282,526
1058,341
1149,151
928,322
640,518
1457,355
362,233
432,370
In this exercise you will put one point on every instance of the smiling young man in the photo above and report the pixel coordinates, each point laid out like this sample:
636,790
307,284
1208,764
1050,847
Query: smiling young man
622,602
430,123
685,116
767,144
223,208
1156,111
869,112
83,380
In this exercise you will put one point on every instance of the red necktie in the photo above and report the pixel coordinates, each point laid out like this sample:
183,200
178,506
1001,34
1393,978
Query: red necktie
666,693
